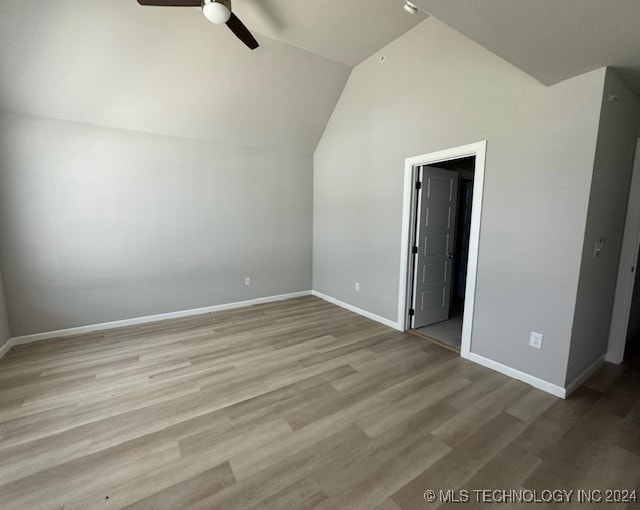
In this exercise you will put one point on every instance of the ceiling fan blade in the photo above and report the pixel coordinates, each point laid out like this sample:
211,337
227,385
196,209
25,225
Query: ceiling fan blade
172,3
238,28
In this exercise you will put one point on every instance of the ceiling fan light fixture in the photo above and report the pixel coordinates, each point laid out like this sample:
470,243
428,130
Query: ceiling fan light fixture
217,11
410,7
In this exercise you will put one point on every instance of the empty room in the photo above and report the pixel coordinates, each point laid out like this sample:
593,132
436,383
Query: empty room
337,254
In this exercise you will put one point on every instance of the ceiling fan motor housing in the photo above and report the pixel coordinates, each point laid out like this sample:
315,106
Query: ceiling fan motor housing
217,11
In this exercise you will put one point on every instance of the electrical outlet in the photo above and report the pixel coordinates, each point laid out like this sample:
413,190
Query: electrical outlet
535,340
357,287
247,281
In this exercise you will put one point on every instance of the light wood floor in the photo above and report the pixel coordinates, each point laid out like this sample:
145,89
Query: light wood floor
292,405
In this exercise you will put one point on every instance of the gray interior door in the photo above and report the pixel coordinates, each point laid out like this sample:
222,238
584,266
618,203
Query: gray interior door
435,241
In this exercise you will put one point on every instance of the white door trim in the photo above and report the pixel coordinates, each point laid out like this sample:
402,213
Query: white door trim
478,150
626,279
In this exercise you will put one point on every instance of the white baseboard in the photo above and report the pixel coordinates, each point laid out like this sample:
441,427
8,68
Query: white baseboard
19,340
588,372
536,382
357,310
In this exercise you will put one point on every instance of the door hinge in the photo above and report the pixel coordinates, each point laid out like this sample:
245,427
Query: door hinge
414,250
412,312
418,185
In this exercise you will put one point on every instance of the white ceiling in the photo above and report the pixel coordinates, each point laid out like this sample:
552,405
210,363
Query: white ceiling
552,40
170,71
346,31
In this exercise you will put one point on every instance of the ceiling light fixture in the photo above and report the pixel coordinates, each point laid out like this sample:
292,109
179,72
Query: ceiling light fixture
217,11
410,7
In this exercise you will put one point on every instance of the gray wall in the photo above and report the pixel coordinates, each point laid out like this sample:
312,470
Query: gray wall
5,333
101,224
617,137
435,90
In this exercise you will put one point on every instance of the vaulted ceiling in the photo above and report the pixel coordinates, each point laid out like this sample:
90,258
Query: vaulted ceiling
170,71
347,31
552,40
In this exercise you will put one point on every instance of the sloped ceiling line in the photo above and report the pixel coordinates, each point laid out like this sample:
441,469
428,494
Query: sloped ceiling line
169,71
551,40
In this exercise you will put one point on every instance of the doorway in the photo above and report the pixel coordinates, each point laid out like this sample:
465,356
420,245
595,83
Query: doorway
441,226
441,231
625,316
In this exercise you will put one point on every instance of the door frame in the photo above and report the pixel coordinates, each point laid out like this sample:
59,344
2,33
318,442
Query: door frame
479,150
618,331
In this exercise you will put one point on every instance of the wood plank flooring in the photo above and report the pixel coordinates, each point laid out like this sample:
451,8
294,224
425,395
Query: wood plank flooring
292,405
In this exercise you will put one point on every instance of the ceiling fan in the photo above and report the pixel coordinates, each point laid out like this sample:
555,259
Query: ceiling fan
216,11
